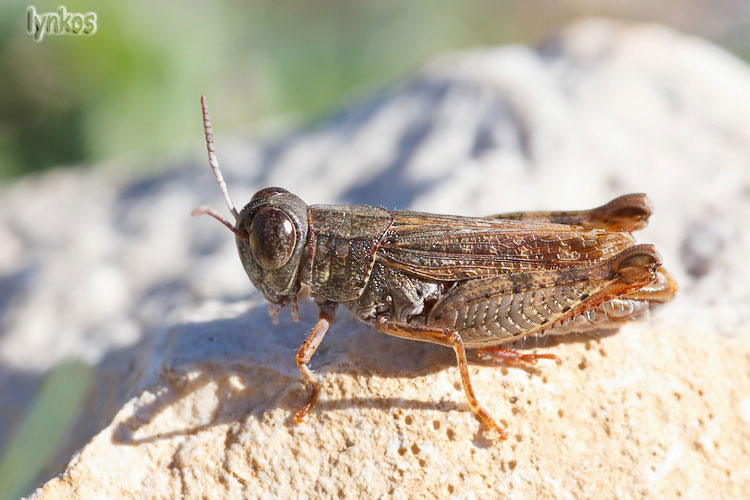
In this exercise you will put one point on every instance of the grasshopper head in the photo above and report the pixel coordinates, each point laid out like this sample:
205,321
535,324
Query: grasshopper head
270,232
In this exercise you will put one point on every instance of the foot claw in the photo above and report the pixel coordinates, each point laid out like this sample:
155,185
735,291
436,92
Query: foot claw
299,415
487,420
532,358
511,357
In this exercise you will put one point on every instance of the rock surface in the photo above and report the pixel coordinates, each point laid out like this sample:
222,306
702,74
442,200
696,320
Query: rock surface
201,408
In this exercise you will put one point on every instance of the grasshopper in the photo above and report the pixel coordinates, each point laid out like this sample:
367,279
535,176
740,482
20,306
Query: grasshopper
461,282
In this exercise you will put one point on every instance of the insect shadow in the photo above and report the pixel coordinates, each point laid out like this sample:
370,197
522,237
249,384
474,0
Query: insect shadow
248,365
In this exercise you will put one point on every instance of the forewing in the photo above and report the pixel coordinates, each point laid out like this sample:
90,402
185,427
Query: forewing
453,248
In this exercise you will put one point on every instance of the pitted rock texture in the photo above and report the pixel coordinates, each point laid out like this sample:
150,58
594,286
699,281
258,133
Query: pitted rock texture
202,407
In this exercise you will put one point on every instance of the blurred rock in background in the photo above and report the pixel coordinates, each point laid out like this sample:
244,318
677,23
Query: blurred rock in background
123,98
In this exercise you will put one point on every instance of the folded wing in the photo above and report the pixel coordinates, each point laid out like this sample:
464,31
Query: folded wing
452,248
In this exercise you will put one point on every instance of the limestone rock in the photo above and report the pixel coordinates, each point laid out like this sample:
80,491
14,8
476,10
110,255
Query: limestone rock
661,409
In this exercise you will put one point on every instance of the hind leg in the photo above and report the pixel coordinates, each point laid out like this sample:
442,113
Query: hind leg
629,212
511,357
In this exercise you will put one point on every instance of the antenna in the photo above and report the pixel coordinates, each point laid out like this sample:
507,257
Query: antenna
214,162
203,209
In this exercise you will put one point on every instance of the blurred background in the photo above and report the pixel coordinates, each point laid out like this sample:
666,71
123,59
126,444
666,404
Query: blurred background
126,98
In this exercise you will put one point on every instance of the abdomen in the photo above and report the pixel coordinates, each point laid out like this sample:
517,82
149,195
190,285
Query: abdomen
505,317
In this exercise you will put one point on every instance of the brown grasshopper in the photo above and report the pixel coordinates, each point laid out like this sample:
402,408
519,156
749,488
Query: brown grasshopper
461,282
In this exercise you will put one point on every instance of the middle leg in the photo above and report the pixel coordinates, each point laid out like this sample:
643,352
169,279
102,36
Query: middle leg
449,338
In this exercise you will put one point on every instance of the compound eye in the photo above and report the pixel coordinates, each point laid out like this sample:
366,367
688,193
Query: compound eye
272,238
269,191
